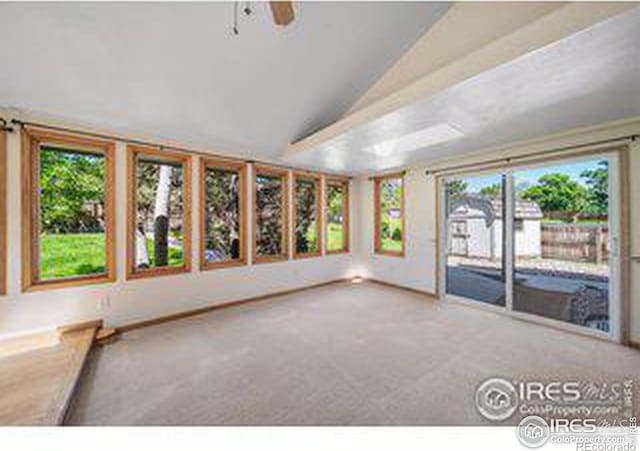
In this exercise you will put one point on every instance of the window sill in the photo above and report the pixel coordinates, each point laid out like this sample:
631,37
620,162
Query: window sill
340,252
223,265
308,255
68,282
156,272
269,259
390,253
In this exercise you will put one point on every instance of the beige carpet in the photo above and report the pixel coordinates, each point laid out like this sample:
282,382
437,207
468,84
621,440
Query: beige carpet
344,354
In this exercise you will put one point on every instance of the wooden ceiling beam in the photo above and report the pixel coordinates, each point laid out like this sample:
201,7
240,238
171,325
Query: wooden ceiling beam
537,30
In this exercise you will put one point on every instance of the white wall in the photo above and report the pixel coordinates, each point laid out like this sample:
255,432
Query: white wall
528,240
124,302
481,237
634,172
417,269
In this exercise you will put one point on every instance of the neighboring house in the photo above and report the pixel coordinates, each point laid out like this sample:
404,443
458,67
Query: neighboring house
475,227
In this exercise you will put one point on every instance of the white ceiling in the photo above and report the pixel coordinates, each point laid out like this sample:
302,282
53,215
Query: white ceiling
585,79
175,71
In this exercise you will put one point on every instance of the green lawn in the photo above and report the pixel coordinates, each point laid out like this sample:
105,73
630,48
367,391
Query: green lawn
312,242
388,243
334,237
175,254
71,255
391,245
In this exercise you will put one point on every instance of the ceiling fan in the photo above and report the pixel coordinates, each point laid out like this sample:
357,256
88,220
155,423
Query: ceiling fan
282,12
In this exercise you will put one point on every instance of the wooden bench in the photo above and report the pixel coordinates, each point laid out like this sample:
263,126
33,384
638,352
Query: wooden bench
36,385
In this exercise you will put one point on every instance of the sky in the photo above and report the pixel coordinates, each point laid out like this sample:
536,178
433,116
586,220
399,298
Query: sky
531,176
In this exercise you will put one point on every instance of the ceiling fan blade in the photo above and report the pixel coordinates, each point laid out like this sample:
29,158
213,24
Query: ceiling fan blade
282,12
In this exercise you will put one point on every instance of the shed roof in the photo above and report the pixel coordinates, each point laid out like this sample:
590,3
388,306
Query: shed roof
491,208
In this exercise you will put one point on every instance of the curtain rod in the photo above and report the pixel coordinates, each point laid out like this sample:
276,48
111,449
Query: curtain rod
392,174
4,126
21,123
531,155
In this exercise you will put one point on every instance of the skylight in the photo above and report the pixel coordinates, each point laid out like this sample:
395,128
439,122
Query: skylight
431,136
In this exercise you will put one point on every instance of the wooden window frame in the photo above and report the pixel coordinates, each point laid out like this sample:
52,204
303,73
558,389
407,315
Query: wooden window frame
377,215
241,168
317,180
133,152
32,141
284,182
344,183
3,212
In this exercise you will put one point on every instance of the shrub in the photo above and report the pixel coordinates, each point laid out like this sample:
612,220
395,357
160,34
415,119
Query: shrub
385,227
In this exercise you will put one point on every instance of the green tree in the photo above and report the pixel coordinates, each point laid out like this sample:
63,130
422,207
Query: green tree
557,192
268,215
147,178
335,197
597,180
222,213
149,188
305,198
71,187
456,189
390,206
494,190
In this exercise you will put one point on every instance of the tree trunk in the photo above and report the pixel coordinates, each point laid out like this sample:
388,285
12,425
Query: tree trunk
142,256
161,218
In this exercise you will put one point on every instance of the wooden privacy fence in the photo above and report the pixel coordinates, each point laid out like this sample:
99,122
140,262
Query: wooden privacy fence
575,242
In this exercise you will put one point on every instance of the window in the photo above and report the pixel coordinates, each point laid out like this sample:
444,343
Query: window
518,224
565,208
474,228
337,222
68,211
3,212
307,239
159,213
271,217
389,214
223,190
546,253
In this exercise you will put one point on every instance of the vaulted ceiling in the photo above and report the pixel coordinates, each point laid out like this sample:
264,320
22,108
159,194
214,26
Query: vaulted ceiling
585,79
175,70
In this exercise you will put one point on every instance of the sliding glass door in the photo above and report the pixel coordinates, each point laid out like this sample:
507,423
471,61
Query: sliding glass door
475,258
561,242
537,241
